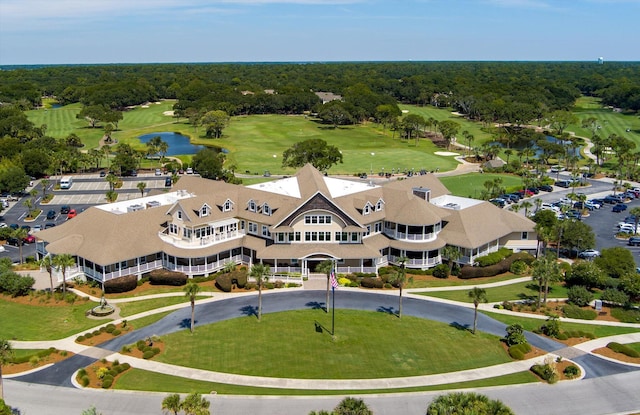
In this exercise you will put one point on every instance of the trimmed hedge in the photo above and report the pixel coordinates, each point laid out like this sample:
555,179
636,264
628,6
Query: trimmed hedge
571,371
494,257
223,283
468,272
573,311
121,285
518,351
167,277
624,349
441,271
370,282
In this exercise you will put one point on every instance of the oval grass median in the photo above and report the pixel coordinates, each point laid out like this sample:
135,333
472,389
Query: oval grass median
367,345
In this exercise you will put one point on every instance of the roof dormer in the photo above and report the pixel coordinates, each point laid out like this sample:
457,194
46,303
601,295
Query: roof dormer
379,205
252,206
266,209
227,206
368,208
205,210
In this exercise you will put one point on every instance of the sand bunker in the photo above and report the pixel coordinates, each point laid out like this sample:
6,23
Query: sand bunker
445,153
168,113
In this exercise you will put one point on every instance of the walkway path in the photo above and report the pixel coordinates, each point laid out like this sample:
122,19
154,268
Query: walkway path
230,305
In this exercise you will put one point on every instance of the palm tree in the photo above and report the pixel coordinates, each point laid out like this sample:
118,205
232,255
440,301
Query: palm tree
141,186
171,403
477,295
452,254
48,264
545,271
195,404
400,278
261,274
20,234
112,179
635,212
62,262
163,148
44,183
6,354
526,205
326,267
191,291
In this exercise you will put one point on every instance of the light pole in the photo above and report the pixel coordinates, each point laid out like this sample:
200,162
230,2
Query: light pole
372,154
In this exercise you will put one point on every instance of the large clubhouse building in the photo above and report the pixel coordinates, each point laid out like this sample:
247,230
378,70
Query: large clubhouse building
291,224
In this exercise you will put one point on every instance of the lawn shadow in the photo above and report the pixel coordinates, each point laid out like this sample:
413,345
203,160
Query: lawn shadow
319,328
387,310
249,311
458,326
315,305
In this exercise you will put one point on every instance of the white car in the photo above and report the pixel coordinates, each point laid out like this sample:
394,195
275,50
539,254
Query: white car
3,225
627,228
2,248
158,172
589,254
591,203
189,170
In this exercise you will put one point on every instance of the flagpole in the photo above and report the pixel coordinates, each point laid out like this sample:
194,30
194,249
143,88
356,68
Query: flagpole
333,310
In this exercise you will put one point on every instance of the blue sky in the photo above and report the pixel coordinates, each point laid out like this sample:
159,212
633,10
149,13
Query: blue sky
120,31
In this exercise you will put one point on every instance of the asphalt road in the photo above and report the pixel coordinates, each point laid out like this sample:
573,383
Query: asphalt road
608,388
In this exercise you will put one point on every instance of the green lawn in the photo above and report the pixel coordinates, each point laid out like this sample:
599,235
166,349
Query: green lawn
634,346
472,184
287,345
512,292
35,322
532,324
135,307
455,282
610,121
137,379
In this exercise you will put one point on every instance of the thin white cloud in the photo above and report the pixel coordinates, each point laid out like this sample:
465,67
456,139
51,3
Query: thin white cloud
529,4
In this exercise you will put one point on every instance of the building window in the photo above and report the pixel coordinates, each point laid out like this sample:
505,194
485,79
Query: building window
317,219
173,228
367,209
228,205
252,206
525,235
354,236
179,214
368,232
341,236
253,227
281,237
379,205
265,231
377,227
204,211
266,210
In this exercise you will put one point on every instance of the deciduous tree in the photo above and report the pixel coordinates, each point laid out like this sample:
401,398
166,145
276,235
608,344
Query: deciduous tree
315,151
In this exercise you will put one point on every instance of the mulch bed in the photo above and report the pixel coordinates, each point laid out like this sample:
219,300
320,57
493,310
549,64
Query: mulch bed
23,367
40,300
104,336
605,351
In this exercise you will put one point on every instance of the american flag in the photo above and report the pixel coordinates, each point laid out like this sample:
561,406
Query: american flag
333,281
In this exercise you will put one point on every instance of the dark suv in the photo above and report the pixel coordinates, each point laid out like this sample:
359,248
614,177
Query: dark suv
64,210
51,214
634,241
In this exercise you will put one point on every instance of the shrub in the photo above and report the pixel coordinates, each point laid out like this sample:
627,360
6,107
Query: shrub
579,296
519,267
546,371
107,382
121,285
278,284
441,271
239,277
141,345
630,315
167,277
125,366
101,372
515,335
80,338
573,311
614,296
116,332
148,354
552,327
84,381
109,329
624,349
370,282
503,266
14,284
223,282
571,371
494,257
518,351
88,335
34,360
82,372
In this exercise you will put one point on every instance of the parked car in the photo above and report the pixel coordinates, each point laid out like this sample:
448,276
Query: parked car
546,188
533,190
103,173
573,214
51,214
168,182
563,183
612,199
3,225
591,204
26,228
556,169
620,207
190,170
158,172
498,202
65,209
29,239
72,214
589,254
549,206
49,225
13,241
36,228
634,241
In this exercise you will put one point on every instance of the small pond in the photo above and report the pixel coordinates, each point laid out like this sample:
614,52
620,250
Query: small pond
178,143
